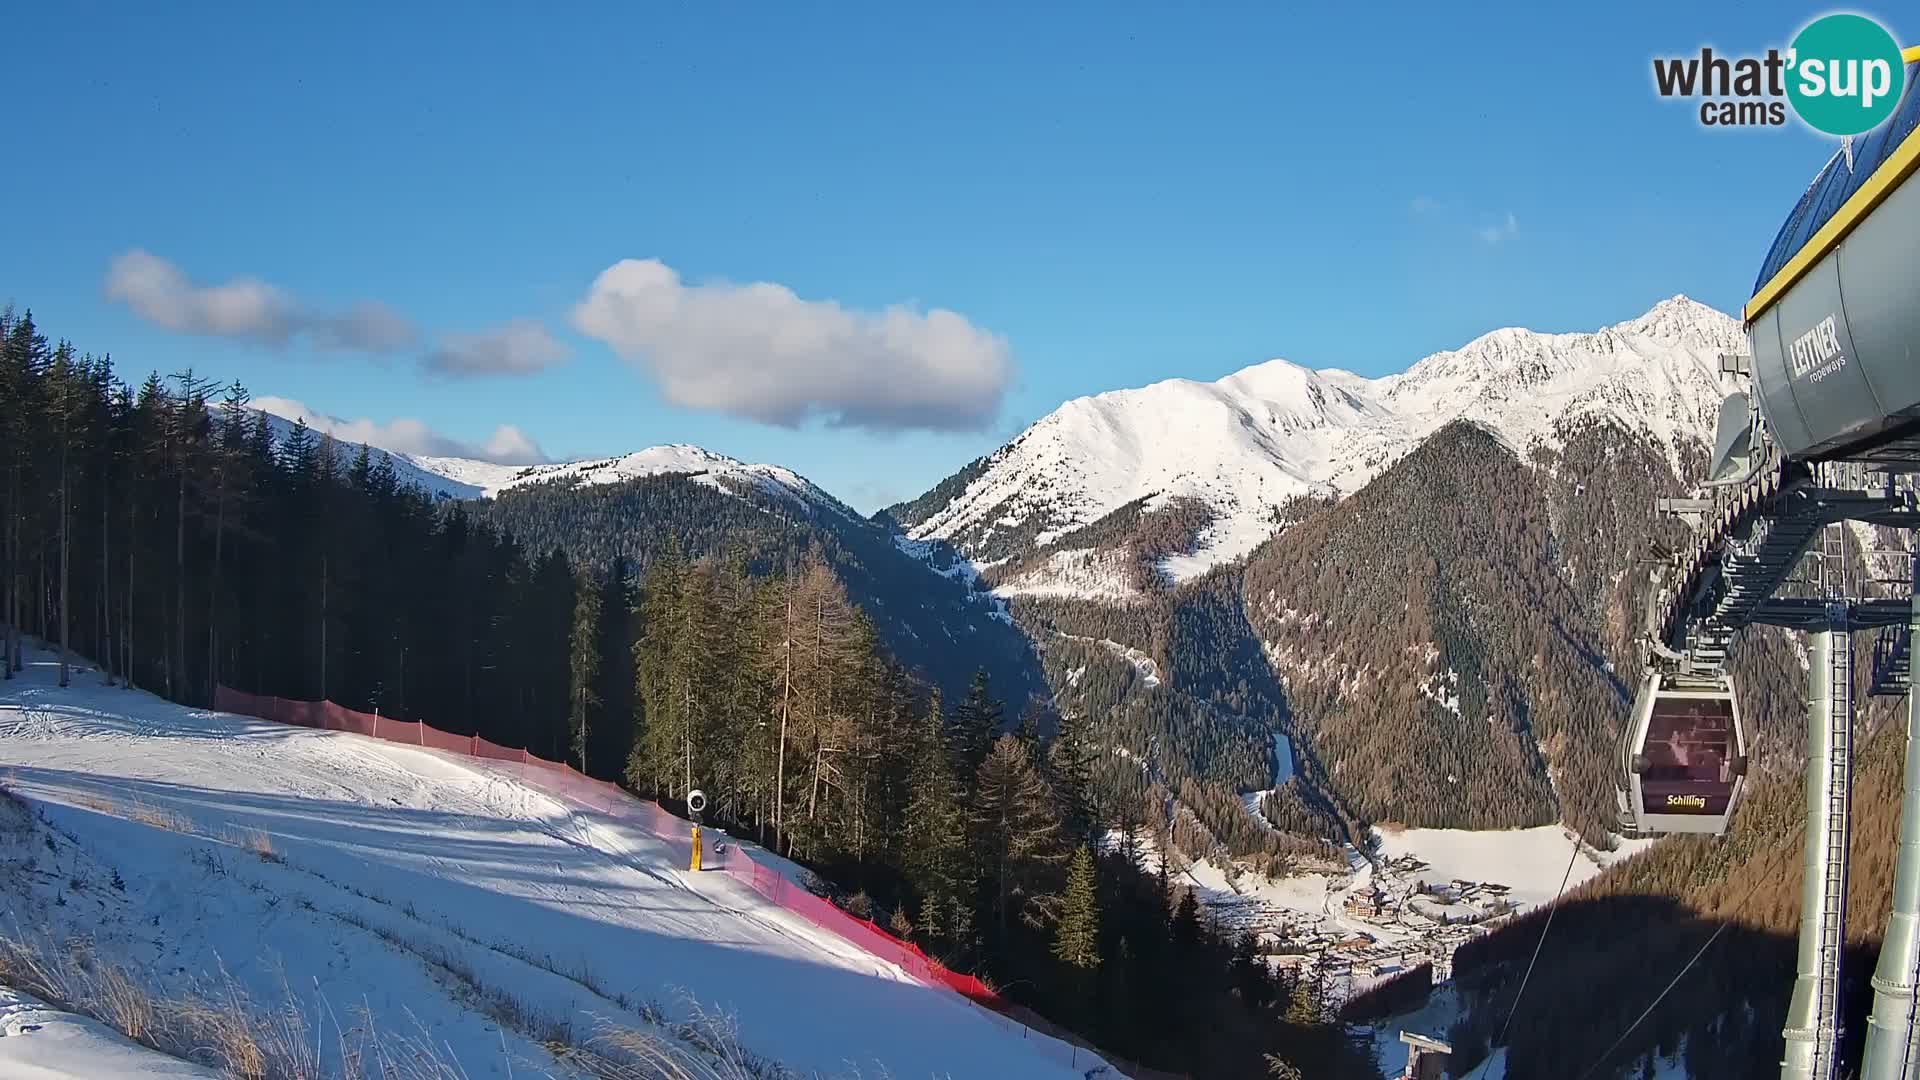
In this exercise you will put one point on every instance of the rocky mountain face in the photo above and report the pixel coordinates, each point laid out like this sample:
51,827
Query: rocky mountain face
1230,456
1421,581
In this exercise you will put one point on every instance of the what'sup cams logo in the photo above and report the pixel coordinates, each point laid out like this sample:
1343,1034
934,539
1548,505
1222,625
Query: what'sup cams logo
1842,75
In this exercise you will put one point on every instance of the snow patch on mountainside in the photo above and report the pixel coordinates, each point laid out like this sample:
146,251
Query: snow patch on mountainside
1244,444
941,559
1075,573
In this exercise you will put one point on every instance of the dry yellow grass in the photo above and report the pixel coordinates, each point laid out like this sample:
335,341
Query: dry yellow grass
214,1022
160,818
260,844
155,817
99,804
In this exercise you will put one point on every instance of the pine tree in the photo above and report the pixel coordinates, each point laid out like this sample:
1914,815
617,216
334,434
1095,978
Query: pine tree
1186,919
584,663
975,726
930,922
1070,758
1249,972
611,727
1077,939
1033,719
231,485
69,419
935,846
653,657
22,363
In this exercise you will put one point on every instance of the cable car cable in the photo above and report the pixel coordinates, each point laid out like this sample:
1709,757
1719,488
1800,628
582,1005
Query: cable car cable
1537,945
1721,929
1644,1013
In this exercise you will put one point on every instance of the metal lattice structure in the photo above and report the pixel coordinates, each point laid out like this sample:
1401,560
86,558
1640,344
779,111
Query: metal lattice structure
1829,441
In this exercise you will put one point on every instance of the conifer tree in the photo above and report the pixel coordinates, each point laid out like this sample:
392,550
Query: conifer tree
611,725
1077,939
661,618
1018,835
975,726
1186,919
1070,758
935,824
584,665
69,419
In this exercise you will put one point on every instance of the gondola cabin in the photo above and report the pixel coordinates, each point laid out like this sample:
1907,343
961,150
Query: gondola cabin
1686,756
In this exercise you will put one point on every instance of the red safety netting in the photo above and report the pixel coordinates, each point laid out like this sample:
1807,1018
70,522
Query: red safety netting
561,779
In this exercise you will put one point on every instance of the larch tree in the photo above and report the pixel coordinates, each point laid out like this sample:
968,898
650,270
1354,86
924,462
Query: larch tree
1017,833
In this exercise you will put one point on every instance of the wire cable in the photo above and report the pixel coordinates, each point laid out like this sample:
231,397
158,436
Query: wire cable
1799,833
1552,909
1644,1013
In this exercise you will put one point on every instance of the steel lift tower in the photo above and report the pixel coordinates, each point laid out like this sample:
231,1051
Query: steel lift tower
1820,445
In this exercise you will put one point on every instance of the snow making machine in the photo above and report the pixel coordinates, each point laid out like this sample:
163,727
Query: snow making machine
1824,432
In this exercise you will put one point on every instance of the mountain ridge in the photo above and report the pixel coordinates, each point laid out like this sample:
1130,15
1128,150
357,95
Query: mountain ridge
1245,444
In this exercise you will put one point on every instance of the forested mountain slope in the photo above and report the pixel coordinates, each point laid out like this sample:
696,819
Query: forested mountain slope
1436,595
922,602
1445,647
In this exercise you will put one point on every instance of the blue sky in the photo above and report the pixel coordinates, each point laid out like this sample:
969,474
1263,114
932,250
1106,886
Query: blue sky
1103,195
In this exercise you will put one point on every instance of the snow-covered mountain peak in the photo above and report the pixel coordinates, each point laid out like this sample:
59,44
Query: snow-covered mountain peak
1682,320
468,478
705,466
1245,443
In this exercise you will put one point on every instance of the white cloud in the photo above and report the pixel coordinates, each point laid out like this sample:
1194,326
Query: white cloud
511,446
760,352
508,445
1494,234
369,326
520,347
246,308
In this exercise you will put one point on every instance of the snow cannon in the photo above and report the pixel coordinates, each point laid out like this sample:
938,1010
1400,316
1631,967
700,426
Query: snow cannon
696,803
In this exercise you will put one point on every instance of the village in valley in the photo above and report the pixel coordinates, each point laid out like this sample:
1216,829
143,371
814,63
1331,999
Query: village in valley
1352,920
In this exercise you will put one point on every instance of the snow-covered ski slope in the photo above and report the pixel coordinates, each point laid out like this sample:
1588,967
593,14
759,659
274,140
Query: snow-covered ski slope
582,917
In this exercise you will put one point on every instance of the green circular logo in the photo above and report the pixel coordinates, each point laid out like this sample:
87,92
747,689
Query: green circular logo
1845,75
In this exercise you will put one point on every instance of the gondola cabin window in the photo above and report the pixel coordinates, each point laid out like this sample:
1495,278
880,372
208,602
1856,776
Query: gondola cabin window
1688,757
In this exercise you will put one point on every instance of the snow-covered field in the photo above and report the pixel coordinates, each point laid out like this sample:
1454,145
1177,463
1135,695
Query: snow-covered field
418,888
1530,861
39,1042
